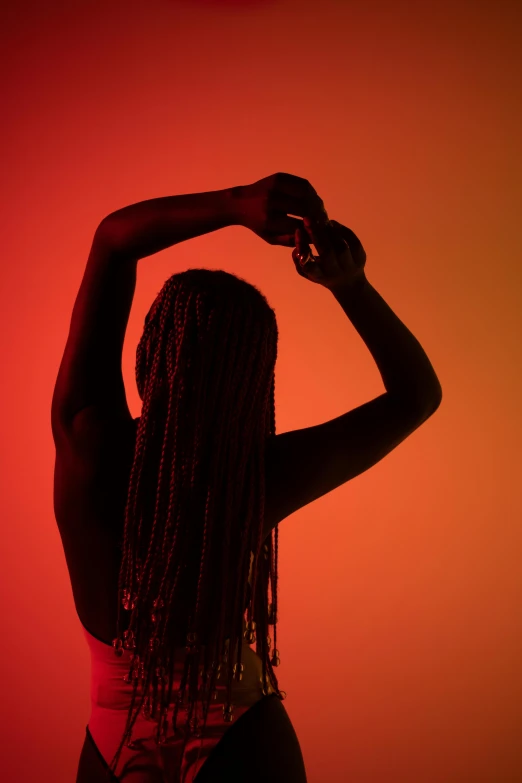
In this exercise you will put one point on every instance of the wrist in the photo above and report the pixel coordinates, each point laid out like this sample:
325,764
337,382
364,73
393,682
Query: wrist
227,206
351,290
235,205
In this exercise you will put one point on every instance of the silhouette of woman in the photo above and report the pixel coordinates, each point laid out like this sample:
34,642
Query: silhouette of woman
169,522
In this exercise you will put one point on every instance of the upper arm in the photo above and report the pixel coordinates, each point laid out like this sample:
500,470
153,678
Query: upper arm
90,373
303,465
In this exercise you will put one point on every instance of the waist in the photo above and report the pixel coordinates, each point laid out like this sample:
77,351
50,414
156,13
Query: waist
110,691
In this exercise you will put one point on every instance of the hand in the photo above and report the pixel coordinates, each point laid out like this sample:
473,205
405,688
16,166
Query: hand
264,206
341,260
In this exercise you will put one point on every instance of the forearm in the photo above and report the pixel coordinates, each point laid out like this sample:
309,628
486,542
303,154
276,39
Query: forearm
405,369
147,227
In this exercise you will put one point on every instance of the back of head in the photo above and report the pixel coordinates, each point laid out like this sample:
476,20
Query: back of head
200,319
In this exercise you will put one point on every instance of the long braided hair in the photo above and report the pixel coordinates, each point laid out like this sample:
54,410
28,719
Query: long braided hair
196,499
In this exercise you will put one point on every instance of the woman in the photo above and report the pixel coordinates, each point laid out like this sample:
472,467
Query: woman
170,522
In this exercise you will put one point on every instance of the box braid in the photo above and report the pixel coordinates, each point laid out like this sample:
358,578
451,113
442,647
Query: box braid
205,373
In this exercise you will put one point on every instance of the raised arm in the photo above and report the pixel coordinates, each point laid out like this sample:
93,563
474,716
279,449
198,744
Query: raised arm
264,207
90,382
89,385
144,228
306,464
406,371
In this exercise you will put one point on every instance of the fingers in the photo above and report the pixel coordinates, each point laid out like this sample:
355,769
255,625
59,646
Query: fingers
337,238
302,245
319,235
283,228
329,244
295,195
301,253
353,242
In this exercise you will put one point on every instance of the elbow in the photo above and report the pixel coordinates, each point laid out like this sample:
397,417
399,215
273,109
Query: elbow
436,404
111,234
437,397
432,398
108,229
432,403
422,404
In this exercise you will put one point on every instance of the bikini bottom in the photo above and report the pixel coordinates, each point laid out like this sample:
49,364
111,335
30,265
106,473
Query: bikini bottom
260,746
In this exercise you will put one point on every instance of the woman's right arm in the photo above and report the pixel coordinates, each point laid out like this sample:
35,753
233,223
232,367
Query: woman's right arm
406,371
306,464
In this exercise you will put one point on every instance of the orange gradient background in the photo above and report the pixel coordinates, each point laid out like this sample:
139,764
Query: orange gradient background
400,592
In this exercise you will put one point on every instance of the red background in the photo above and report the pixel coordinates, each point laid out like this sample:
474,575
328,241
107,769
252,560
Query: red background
400,592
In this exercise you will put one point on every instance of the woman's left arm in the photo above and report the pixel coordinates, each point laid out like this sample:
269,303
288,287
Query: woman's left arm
147,227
